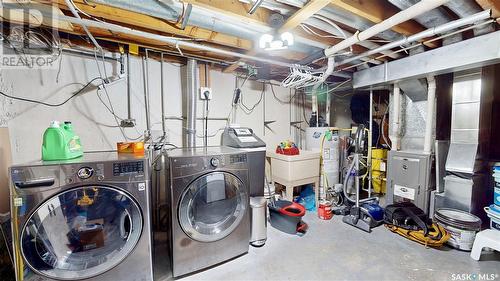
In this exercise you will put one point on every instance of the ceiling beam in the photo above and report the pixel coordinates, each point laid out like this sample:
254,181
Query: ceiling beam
377,11
312,7
494,5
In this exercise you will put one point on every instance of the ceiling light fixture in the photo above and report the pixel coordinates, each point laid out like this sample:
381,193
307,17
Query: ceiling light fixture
270,42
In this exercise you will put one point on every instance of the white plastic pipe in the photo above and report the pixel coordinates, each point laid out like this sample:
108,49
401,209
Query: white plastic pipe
408,14
396,111
72,8
326,74
431,100
424,34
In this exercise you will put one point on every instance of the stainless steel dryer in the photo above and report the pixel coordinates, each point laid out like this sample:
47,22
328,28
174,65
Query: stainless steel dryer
83,219
210,223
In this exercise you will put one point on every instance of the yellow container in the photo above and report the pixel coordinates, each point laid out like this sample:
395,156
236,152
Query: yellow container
130,147
378,182
379,153
379,165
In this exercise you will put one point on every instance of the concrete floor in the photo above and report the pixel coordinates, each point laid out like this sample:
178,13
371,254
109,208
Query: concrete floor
332,250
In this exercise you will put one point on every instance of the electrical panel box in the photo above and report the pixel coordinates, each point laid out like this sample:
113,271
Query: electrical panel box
409,178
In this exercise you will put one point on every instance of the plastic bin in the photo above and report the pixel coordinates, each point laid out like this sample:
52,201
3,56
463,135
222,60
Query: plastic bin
286,216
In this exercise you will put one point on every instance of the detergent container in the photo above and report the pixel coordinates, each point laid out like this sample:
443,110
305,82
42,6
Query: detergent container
60,142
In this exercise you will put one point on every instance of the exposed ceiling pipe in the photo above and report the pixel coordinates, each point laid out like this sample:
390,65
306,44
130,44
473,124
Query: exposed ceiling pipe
431,100
424,34
410,13
395,134
255,5
335,14
145,77
217,21
191,87
465,8
71,7
172,41
367,44
332,15
430,19
343,34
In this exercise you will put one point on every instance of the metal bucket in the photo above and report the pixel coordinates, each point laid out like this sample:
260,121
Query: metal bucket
461,225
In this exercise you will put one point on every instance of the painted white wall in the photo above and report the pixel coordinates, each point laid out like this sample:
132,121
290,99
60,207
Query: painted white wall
97,127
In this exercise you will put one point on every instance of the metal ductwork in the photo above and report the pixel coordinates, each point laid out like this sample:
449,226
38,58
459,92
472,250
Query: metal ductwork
467,169
476,52
432,18
415,89
190,84
205,18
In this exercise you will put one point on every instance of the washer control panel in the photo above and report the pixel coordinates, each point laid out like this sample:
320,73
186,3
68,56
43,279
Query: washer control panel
124,168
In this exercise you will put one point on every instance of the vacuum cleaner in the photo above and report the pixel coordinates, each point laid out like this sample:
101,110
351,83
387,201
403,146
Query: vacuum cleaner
364,214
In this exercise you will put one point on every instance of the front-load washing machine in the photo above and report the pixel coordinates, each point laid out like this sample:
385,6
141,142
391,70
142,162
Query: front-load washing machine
82,219
210,222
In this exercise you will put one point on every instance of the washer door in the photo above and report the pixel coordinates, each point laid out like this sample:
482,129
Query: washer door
81,233
212,206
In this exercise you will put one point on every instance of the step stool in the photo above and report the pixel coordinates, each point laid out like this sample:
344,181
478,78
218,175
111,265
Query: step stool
487,238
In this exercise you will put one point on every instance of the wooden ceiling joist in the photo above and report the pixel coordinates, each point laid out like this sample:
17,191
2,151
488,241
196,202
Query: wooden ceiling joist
494,5
312,7
377,11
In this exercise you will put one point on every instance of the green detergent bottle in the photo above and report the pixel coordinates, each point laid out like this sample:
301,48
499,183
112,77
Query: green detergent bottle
60,142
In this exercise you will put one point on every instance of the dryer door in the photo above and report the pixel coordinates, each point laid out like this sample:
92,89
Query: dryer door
81,232
212,206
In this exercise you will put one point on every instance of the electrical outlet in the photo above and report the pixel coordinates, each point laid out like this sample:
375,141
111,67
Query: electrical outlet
205,93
